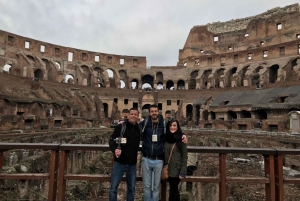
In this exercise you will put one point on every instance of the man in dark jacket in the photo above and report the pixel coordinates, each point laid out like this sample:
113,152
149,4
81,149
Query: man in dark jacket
153,152
125,156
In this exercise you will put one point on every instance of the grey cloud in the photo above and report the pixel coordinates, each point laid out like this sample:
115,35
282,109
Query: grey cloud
155,29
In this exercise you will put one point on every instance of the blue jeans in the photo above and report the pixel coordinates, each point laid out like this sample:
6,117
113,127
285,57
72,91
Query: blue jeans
117,173
151,173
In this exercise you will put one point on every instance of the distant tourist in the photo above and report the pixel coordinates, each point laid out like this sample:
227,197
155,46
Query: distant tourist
178,159
125,146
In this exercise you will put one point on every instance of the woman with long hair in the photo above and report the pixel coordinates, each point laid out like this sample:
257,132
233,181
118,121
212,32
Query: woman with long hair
178,160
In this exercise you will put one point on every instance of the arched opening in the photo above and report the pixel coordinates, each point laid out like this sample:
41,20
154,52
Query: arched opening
147,79
220,72
38,74
180,84
134,84
111,76
58,64
205,115
160,85
88,75
159,77
105,109
205,78
231,115
170,85
229,77
243,75
66,111
30,57
123,79
245,114
189,112
273,73
6,67
69,79
192,81
261,114
212,115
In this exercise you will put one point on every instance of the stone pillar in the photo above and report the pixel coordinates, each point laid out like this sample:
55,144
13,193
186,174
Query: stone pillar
186,85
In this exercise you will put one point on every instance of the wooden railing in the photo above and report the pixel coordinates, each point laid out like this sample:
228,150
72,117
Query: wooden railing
57,176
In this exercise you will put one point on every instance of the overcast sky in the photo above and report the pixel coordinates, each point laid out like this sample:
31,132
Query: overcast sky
156,29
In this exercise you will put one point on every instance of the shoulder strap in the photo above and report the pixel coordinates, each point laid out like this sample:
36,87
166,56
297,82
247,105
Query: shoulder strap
145,123
123,129
164,127
171,153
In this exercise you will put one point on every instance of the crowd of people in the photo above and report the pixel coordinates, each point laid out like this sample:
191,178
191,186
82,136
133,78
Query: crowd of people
158,138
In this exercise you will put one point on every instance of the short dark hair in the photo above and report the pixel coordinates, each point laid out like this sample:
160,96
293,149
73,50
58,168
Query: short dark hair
152,106
133,108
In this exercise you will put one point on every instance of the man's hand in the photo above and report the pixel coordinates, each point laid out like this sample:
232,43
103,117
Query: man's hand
118,152
184,139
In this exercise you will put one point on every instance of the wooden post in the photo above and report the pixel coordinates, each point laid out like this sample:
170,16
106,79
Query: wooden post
61,180
270,173
279,178
53,175
222,171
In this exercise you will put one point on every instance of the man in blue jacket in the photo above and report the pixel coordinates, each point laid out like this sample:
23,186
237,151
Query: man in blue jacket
153,153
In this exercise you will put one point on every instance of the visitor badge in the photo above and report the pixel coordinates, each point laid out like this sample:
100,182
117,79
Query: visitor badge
123,140
154,138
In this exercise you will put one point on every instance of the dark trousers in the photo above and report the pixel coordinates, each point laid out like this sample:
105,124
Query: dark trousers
174,192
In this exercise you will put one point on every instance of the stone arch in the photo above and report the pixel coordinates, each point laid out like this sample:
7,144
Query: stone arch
159,77
51,70
180,84
219,73
227,81
52,110
192,81
243,75
245,114
134,84
123,77
88,75
273,73
38,73
105,109
31,58
98,72
205,78
170,85
58,64
65,111
69,79
160,85
189,112
147,79
255,79
112,77
36,109
231,115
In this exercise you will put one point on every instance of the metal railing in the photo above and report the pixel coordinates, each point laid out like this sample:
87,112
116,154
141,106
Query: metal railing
273,178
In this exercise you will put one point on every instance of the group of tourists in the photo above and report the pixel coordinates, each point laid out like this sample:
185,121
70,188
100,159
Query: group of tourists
163,143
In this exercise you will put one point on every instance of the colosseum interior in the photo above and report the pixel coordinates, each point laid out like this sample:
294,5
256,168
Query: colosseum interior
231,77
